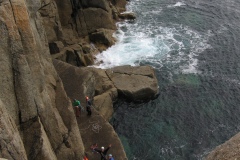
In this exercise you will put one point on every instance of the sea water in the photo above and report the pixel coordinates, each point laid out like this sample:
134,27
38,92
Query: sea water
194,47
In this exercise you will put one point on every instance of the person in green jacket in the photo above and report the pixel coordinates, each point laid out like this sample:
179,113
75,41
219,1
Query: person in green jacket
77,106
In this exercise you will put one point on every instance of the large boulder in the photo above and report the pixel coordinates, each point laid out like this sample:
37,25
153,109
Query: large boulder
135,83
103,36
103,4
105,93
126,15
96,18
77,54
104,103
227,151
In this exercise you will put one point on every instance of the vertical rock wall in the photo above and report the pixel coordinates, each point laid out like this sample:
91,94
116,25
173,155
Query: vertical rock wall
36,117
84,17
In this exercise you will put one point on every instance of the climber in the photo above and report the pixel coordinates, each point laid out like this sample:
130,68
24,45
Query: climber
93,147
110,157
77,106
85,157
88,106
103,151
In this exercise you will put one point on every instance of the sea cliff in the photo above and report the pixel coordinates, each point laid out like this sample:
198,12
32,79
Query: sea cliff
44,47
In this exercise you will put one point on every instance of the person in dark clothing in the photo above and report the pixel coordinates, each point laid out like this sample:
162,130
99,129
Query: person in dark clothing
93,147
88,106
103,152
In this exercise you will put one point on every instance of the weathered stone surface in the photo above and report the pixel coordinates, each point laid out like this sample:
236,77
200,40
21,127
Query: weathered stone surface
81,82
39,147
120,4
79,18
65,9
61,56
104,83
103,36
70,56
135,83
56,47
103,4
105,93
130,16
67,21
78,82
102,19
73,54
11,144
230,150
96,129
51,21
87,59
7,94
104,103
86,48
34,97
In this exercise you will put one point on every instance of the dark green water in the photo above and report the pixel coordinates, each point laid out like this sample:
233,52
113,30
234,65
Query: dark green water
196,53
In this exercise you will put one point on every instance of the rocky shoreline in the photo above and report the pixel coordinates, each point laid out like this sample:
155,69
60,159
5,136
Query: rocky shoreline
44,49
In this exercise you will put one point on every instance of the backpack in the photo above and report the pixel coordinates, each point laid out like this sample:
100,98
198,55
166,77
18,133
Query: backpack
76,103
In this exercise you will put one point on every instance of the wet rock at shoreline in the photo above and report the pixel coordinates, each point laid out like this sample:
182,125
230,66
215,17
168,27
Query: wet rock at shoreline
226,151
129,16
103,36
135,83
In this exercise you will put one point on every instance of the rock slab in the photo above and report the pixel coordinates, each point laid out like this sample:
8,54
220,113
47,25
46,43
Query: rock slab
84,81
137,84
230,150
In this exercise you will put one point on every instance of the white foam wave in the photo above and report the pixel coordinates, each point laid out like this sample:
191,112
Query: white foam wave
147,42
127,51
191,45
155,45
178,4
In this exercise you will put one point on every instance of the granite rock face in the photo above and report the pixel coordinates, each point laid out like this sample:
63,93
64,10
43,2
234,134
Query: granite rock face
78,22
94,83
227,151
135,83
37,119
105,93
